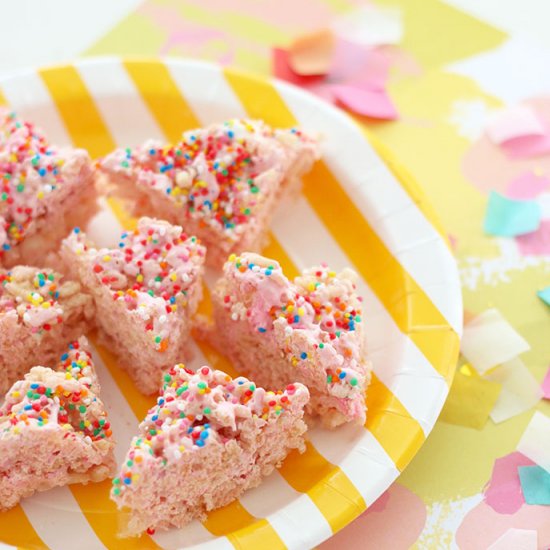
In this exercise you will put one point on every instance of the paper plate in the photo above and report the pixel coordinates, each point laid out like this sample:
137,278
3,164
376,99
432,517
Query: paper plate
358,208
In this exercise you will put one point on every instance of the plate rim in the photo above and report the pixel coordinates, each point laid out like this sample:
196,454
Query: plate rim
409,183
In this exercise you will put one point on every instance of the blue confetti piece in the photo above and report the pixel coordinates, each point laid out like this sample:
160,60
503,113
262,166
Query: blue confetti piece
544,295
508,218
535,484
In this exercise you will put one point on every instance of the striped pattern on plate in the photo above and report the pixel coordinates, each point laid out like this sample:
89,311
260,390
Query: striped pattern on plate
358,208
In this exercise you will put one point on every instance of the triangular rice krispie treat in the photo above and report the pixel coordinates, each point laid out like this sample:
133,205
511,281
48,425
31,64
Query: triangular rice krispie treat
208,439
221,183
44,192
40,311
77,362
310,330
145,292
53,431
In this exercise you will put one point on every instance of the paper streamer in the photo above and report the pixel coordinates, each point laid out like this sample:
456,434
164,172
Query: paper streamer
535,441
489,340
514,122
470,401
520,390
370,26
506,217
535,484
516,539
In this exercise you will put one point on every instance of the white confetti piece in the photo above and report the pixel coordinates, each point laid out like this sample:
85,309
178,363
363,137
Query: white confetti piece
520,390
535,441
370,26
489,340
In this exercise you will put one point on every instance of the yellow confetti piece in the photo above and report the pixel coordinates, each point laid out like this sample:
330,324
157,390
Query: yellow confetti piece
470,401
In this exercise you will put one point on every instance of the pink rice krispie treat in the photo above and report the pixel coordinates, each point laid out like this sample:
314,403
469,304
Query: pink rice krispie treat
310,330
221,183
145,292
208,439
40,311
54,430
44,192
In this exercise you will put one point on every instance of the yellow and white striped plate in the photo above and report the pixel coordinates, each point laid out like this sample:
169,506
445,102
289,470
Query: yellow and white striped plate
358,208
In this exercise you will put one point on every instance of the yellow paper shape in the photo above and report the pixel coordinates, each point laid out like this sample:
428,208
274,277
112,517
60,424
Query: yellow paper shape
470,400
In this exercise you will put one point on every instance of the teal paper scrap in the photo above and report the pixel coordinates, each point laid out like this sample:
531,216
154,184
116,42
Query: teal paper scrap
535,484
509,218
544,295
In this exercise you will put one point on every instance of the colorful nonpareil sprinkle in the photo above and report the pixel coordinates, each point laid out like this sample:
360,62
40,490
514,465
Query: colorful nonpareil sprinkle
217,174
30,171
197,409
150,272
65,398
319,301
33,294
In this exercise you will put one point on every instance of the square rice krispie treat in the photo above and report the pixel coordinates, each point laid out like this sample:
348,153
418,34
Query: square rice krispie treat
221,183
54,429
308,330
45,191
208,439
145,291
40,312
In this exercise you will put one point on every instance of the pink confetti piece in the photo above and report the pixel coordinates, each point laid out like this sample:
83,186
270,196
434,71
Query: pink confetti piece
366,102
282,70
527,146
546,385
514,122
516,539
503,492
352,63
527,186
536,243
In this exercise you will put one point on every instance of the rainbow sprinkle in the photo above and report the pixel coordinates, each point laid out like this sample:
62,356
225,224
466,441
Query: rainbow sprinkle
319,301
63,400
197,409
151,272
31,170
218,173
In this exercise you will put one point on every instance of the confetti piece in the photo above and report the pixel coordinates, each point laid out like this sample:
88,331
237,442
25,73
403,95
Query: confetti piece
370,26
489,340
503,492
534,441
282,70
536,243
545,386
544,295
520,390
353,63
516,539
527,147
470,401
527,185
364,101
535,484
311,54
508,218
514,122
